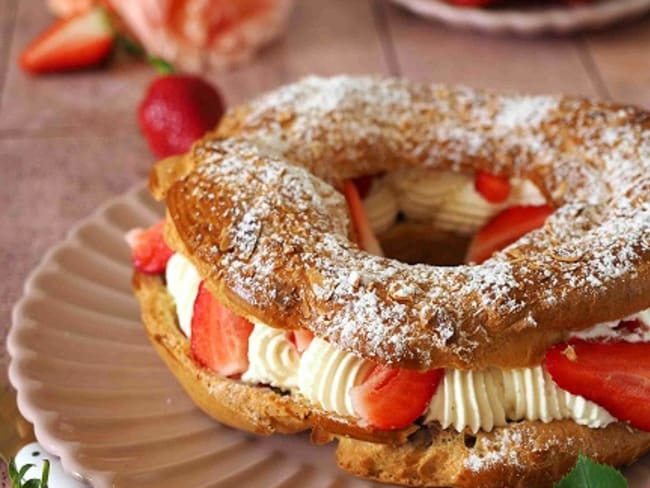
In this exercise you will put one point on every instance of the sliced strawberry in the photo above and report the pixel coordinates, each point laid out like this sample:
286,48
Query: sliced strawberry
392,398
363,184
614,375
630,326
219,336
505,228
149,251
493,188
300,339
365,236
77,42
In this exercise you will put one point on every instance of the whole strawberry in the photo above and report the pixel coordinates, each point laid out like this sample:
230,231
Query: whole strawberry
176,111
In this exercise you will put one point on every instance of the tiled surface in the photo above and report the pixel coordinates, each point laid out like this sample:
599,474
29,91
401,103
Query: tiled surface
622,59
49,183
428,51
7,14
69,142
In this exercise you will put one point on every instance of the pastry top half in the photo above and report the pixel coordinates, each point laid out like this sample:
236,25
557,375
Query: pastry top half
255,208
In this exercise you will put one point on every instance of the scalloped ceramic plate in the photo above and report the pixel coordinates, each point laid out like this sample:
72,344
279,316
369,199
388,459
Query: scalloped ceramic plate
102,400
558,19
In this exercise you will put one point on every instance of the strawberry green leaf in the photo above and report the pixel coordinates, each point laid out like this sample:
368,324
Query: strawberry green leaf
163,67
588,474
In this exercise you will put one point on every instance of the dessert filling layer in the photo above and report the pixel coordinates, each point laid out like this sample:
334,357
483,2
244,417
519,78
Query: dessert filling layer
447,200
464,400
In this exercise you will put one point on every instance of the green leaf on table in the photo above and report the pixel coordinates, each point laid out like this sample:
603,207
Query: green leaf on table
588,474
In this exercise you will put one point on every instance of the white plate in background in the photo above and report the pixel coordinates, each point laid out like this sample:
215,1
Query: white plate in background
560,19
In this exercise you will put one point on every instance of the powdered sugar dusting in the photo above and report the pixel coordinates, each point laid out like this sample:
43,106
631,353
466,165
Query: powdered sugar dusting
282,240
504,450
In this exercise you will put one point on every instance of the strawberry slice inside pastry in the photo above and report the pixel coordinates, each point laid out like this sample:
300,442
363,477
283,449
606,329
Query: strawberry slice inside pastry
615,375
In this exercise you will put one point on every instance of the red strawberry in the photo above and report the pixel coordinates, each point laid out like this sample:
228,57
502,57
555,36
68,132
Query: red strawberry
300,339
505,228
149,251
630,326
176,111
363,184
392,398
614,375
493,188
219,336
80,41
365,236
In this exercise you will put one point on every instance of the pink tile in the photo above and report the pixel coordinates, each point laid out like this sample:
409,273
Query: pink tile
430,50
621,58
46,185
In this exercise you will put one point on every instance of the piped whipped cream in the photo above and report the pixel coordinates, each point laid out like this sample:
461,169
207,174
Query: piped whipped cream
183,285
482,400
272,359
614,331
381,206
524,192
465,210
326,375
445,198
472,400
422,192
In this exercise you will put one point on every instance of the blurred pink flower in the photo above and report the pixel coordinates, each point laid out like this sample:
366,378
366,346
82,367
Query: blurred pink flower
65,8
202,34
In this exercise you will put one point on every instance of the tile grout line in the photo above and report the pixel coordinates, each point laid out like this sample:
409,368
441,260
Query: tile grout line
7,35
385,37
591,67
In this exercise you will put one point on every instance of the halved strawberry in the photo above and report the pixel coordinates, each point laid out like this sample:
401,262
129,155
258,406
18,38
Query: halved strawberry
614,375
363,184
219,336
149,251
392,398
80,41
505,228
300,339
365,236
630,326
493,188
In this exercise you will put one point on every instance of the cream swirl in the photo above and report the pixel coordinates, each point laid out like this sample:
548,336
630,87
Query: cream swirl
326,375
524,192
482,400
421,192
450,201
272,358
381,206
612,331
465,211
183,285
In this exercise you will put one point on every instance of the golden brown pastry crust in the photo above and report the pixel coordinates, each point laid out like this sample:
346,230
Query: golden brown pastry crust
525,454
248,207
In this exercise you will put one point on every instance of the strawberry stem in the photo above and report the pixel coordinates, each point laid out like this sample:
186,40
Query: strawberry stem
163,67
130,46
135,49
